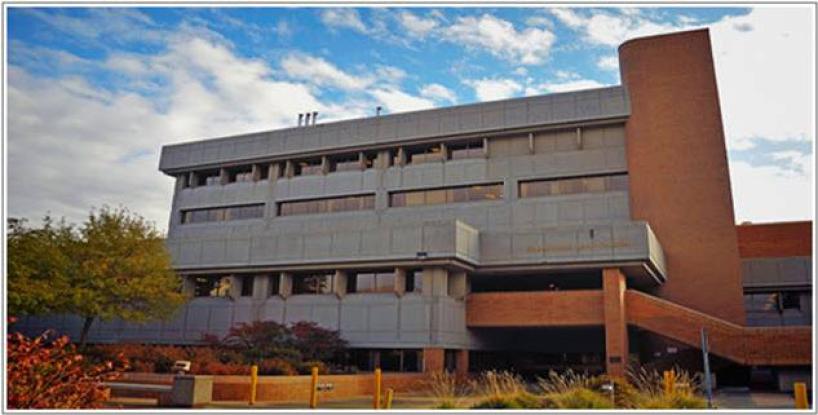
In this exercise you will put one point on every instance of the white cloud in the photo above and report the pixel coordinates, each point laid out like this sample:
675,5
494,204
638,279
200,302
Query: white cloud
494,89
415,25
319,72
610,29
770,193
396,100
539,21
608,63
764,64
562,86
73,146
343,18
438,92
766,76
530,46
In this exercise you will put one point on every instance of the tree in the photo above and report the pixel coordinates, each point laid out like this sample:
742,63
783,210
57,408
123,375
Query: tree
50,374
114,266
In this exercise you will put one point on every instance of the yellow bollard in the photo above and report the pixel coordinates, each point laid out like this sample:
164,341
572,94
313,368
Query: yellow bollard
668,381
376,399
314,388
389,393
801,395
253,383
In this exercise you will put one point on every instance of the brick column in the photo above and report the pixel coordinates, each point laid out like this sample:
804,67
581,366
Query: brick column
462,362
616,326
433,359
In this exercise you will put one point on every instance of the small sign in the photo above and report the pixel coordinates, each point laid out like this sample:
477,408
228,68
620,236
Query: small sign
323,387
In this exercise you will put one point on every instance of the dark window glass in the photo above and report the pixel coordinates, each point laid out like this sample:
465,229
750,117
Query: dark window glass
414,281
312,284
790,300
390,360
592,184
223,213
247,285
340,204
211,286
274,285
473,193
471,149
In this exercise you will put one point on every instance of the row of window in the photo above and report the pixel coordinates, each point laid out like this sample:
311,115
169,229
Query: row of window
337,163
219,214
592,184
458,194
327,205
315,283
473,193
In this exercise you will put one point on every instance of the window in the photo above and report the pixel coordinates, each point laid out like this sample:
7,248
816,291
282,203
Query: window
247,285
388,360
414,281
574,185
790,301
220,214
313,284
207,177
424,154
459,194
468,150
349,162
240,174
274,285
372,282
308,167
211,286
330,205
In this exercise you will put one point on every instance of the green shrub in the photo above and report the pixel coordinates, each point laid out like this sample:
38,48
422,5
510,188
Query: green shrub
577,398
520,400
676,400
445,404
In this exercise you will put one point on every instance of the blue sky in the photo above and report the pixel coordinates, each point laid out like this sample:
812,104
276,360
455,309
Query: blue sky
94,93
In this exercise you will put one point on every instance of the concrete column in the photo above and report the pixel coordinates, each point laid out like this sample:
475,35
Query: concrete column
223,177
457,287
256,172
181,181
192,179
435,282
289,169
400,281
324,165
260,286
235,287
616,326
362,160
485,147
382,161
339,285
401,158
274,171
285,287
462,362
445,151
188,285
433,359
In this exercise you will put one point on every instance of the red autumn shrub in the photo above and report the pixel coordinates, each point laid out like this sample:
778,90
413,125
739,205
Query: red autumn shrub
275,366
44,374
317,343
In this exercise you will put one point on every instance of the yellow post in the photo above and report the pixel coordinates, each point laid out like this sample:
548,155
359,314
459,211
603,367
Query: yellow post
376,399
668,381
314,388
389,393
253,383
801,396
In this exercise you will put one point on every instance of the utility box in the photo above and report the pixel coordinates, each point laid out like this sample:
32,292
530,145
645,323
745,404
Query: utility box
191,391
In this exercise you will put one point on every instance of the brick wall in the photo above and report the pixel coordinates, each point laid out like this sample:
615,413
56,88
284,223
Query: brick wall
288,388
541,308
775,240
677,164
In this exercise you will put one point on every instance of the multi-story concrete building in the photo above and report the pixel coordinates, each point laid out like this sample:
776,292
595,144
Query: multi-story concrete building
585,229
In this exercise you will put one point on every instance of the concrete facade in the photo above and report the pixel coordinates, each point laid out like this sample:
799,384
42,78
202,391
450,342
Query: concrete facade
476,235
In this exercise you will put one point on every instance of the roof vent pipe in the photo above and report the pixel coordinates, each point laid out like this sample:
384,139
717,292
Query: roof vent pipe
314,117
307,119
300,119
378,111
